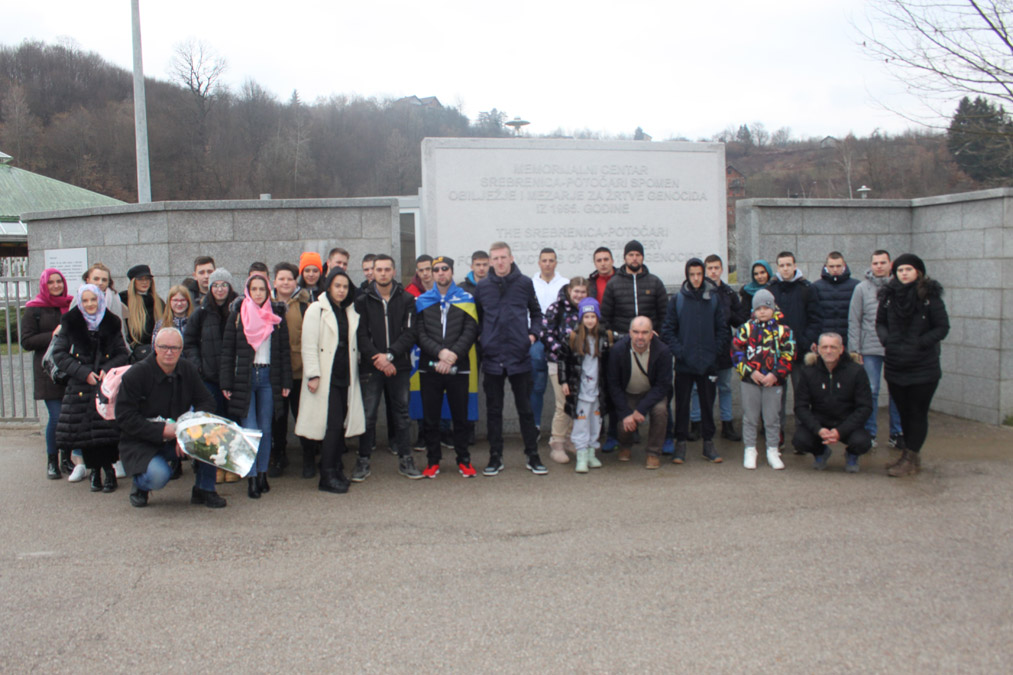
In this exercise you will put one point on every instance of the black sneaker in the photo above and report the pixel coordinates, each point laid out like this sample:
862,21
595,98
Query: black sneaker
897,441
494,466
139,497
208,498
535,465
406,467
361,470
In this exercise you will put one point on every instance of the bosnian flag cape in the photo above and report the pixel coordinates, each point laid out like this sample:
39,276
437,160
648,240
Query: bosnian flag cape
457,297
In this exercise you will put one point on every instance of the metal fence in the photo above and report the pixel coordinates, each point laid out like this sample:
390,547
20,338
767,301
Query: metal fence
17,402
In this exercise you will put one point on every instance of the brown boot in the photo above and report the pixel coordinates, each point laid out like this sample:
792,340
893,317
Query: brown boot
653,462
909,465
895,462
624,454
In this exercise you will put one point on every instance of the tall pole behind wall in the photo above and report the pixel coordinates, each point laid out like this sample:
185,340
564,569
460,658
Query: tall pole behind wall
140,112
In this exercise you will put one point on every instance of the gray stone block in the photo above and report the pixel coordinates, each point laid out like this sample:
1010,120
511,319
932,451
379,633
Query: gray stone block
152,227
941,218
119,231
779,221
826,221
988,415
181,257
968,244
900,220
950,407
982,392
991,303
948,356
894,243
1005,401
965,302
812,251
928,245
993,242
956,336
982,333
1006,361
116,258
264,225
978,362
981,214
770,246
950,388
333,225
43,234
76,232
155,256
202,226
1006,267
857,250
1007,307
378,221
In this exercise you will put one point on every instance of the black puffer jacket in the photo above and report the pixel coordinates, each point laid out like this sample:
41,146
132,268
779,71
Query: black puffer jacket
505,305
37,326
834,295
800,305
629,295
235,371
571,365
737,314
382,332
839,400
696,329
204,337
911,322
149,319
460,335
80,352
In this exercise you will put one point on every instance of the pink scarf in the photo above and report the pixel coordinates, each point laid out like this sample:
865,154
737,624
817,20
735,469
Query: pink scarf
258,320
45,298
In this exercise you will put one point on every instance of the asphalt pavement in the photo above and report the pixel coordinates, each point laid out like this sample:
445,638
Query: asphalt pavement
693,568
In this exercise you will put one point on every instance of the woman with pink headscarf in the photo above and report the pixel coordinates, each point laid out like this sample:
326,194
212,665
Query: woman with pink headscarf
256,369
38,326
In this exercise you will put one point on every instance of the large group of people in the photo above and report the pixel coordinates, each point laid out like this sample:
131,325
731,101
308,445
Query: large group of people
305,340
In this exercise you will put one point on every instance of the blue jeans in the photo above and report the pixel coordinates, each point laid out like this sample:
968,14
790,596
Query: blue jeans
53,407
874,369
160,468
221,405
260,415
724,398
539,379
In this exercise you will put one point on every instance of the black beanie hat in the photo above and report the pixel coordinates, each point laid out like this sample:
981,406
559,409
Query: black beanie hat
908,259
633,245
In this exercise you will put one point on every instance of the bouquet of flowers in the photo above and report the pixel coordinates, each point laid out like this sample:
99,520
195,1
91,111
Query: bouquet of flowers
218,441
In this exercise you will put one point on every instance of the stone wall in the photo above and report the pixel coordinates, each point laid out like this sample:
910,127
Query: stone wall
169,235
966,241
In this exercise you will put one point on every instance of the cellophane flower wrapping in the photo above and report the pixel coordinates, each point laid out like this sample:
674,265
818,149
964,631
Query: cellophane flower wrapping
218,441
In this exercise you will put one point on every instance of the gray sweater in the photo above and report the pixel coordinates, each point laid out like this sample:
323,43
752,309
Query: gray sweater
862,336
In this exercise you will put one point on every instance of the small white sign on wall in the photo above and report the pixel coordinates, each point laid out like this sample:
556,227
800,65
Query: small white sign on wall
73,262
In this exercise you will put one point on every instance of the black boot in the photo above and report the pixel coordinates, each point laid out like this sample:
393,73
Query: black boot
177,469
728,431
65,463
279,460
262,484
208,498
110,483
53,467
251,489
309,463
332,481
96,480
694,432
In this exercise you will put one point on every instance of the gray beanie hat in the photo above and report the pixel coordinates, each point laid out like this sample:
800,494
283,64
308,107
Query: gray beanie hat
222,274
763,298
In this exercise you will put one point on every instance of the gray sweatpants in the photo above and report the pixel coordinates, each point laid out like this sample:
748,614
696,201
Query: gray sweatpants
757,401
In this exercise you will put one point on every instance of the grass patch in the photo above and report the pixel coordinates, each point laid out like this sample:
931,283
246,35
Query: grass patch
1008,422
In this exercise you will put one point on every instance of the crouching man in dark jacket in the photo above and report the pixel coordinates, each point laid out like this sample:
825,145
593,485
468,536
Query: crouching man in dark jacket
832,402
161,385
640,384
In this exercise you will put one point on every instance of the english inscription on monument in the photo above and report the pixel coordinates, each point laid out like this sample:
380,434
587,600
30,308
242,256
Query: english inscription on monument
574,196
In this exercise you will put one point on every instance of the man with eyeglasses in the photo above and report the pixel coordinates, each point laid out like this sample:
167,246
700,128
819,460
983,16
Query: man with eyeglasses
163,387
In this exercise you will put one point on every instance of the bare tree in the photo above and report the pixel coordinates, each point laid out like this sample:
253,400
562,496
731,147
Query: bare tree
760,134
943,48
781,137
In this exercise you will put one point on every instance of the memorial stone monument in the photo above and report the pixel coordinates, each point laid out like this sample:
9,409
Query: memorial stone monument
574,196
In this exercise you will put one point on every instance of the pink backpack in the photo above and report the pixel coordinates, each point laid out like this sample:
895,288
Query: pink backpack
105,397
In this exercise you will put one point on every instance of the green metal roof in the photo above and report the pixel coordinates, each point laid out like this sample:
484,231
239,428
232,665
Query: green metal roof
23,191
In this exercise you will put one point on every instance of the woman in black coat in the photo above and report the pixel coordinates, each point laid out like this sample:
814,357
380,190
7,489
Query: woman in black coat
89,344
41,319
142,308
205,333
911,322
256,369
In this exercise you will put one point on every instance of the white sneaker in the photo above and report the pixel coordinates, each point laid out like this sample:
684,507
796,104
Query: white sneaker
749,458
78,474
774,459
118,468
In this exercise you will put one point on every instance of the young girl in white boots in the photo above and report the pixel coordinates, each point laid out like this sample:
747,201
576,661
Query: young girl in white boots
762,351
582,369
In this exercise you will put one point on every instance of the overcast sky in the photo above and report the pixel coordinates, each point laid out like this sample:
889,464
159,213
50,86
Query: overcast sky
673,68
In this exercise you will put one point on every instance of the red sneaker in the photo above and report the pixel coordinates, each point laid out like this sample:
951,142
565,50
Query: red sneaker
467,470
432,471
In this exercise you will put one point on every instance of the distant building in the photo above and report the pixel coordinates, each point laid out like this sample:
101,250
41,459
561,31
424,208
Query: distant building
23,192
828,143
426,102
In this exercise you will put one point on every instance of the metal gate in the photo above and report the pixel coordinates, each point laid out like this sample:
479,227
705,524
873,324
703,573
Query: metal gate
17,401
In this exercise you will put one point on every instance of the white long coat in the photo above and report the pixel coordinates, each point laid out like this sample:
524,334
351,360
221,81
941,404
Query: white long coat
319,342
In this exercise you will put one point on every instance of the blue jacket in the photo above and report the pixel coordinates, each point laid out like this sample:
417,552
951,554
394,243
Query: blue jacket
834,295
505,305
801,308
696,328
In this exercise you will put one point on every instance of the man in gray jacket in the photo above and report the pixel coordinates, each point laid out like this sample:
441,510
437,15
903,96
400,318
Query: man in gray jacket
863,340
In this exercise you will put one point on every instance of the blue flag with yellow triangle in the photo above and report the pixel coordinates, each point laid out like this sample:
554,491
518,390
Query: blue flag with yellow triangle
456,297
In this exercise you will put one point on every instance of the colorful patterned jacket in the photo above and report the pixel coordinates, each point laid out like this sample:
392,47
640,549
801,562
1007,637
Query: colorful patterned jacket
559,321
768,347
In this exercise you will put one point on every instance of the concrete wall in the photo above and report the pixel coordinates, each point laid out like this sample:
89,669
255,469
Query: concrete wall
169,235
966,241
